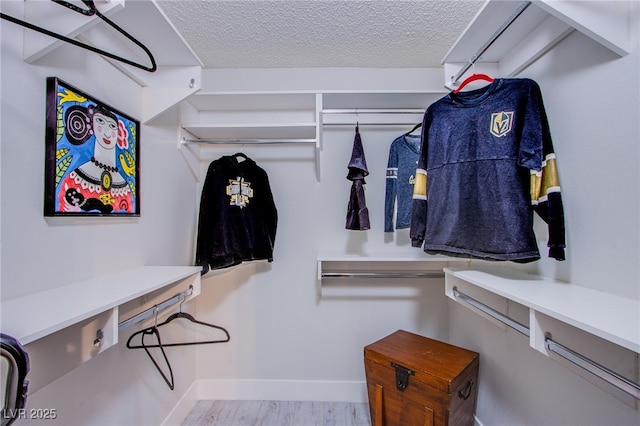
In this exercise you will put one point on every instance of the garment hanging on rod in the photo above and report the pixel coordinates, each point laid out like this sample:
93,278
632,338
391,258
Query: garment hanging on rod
357,211
498,113
91,11
238,218
404,153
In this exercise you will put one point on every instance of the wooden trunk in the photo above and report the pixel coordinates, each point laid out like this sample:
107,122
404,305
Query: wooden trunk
414,381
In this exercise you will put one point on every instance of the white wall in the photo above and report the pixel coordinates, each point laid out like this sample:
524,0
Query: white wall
120,386
288,343
591,97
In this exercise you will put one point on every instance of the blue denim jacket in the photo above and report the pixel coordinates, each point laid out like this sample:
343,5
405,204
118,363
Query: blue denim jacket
486,164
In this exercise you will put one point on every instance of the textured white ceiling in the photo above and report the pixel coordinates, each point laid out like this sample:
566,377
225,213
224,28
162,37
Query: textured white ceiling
320,33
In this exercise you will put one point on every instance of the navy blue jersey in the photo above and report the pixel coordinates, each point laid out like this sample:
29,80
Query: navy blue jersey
486,164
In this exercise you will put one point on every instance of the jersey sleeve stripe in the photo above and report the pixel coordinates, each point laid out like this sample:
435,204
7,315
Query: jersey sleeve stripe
544,181
420,186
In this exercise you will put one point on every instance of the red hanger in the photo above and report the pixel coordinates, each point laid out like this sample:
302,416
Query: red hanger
471,78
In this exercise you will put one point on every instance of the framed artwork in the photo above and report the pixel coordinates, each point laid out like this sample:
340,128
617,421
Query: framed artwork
92,156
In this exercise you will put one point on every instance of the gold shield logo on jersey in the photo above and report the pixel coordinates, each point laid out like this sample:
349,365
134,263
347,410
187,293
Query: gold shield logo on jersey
501,123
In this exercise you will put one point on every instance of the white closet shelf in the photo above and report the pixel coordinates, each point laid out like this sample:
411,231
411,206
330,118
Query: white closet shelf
538,28
384,265
38,315
252,131
295,117
608,316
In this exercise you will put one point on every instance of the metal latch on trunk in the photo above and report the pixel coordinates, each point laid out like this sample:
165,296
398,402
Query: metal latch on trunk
402,376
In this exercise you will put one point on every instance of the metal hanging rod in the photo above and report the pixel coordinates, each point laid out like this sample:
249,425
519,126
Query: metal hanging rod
593,367
492,312
247,141
154,310
382,275
368,124
473,59
375,111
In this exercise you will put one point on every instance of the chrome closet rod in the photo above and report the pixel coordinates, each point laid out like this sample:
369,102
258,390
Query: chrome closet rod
154,310
382,275
593,367
375,111
368,124
473,59
611,377
247,141
492,312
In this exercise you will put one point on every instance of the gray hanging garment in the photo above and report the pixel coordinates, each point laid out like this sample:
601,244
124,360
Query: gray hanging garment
357,212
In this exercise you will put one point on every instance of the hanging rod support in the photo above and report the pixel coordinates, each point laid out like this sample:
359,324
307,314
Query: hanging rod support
476,56
148,313
593,367
492,312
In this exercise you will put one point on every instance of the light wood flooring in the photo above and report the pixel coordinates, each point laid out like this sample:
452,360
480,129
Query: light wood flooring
278,413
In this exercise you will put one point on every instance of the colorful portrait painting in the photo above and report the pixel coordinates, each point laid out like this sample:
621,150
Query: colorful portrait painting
92,156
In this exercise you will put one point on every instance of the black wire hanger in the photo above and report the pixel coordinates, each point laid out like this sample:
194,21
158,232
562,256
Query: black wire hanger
92,10
189,317
416,127
153,331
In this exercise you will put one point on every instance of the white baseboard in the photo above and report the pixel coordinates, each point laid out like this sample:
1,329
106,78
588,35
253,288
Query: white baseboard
183,407
282,390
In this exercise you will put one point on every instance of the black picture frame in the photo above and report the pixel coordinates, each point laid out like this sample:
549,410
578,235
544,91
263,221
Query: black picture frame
92,156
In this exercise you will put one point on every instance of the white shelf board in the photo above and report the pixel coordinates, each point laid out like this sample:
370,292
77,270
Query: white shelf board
486,22
210,101
605,22
37,315
611,317
252,131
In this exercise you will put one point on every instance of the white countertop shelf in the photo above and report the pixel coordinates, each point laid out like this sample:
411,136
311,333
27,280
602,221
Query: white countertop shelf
35,316
611,317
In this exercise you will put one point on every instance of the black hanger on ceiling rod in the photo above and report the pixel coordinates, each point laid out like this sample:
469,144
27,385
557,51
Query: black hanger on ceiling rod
92,10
